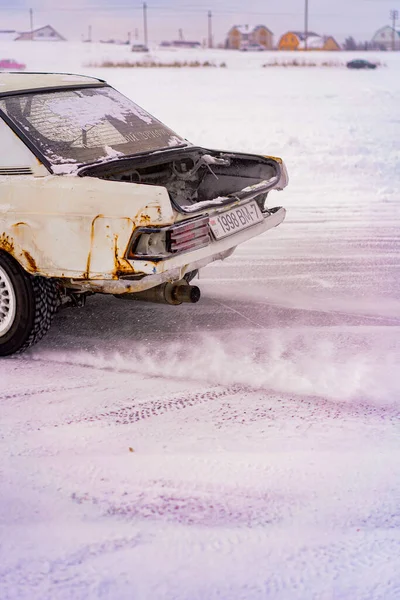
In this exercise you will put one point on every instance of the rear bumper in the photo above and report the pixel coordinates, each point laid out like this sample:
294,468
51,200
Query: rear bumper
174,268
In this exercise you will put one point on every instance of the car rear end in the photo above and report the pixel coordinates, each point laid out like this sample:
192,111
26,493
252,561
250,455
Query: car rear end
218,201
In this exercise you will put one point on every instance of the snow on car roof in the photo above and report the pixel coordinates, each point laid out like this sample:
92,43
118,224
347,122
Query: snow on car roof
17,82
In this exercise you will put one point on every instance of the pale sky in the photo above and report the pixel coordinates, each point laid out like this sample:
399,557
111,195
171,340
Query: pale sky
115,18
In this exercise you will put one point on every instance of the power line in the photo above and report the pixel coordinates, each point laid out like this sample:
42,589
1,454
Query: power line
174,9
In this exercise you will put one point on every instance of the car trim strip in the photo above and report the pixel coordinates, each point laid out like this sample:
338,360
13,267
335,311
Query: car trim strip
49,89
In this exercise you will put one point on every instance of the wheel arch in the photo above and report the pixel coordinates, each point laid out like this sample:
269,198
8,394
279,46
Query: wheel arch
22,253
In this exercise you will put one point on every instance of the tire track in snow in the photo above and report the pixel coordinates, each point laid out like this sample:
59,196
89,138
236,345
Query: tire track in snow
193,505
134,413
24,393
62,570
264,405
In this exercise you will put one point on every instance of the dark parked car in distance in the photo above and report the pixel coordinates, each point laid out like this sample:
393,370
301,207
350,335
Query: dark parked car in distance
360,64
139,48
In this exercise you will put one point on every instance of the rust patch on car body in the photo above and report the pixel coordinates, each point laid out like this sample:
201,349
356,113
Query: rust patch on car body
145,219
275,158
31,262
121,265
86,273
112,249
7,243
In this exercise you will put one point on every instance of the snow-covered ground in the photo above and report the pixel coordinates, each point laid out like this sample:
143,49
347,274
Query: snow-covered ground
247,447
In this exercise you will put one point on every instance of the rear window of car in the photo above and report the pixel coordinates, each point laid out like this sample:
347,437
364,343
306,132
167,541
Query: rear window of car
81,126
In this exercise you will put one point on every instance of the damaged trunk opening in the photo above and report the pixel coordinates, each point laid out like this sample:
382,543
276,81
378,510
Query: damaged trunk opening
196,178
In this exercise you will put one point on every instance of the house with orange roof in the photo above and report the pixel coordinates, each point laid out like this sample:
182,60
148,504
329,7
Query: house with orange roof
240,35
298,40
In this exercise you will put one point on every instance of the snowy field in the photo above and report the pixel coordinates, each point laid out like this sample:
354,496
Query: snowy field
247,447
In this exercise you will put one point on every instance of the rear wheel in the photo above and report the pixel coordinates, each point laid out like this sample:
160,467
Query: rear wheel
27,307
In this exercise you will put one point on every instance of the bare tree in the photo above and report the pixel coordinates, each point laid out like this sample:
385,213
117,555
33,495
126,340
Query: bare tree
350,44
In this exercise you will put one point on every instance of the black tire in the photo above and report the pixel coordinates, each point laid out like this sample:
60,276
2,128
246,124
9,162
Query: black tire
35,299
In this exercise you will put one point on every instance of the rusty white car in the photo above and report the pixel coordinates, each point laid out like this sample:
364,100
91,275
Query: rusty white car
98,196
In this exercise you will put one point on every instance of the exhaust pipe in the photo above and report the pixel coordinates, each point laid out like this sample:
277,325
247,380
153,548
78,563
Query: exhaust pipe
167,293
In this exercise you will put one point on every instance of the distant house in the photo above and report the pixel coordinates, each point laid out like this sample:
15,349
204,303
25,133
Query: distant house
384,38
43,34
292,40
331,44
298,40
8,35
239,35
318,42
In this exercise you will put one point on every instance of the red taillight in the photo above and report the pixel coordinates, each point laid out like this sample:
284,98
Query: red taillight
189,235
159,243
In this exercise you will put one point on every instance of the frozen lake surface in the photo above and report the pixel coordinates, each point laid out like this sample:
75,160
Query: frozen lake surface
247,447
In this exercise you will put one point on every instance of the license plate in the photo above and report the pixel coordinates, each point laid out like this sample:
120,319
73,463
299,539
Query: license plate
236,219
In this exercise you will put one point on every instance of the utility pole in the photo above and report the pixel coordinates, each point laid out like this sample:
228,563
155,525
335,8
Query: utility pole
210,38
145,22
305,24
90,33
394,15
31,19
